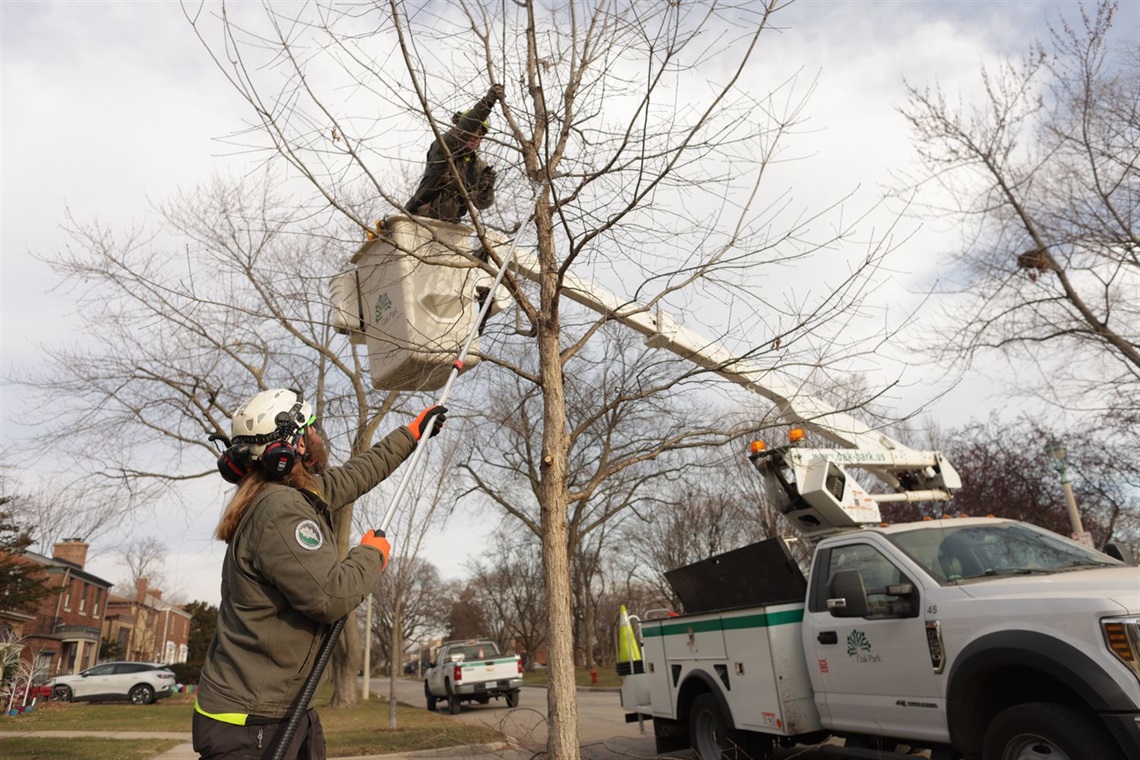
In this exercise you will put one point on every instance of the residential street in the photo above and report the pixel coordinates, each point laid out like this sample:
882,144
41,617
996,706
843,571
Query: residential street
604,733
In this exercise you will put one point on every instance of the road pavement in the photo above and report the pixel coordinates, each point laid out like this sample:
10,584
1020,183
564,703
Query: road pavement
603,732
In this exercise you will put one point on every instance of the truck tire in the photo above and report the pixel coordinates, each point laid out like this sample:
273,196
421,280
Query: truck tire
452,701
1042,730
712,739
512,697
430,699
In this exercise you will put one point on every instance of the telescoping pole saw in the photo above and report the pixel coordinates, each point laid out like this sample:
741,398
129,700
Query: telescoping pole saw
325,654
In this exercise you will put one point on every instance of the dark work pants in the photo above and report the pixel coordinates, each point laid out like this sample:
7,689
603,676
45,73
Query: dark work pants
214,740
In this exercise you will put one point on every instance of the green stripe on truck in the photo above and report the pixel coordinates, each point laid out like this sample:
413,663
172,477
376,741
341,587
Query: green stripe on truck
764,620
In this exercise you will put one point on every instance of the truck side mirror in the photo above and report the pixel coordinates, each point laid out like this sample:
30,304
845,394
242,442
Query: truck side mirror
1122,553
848,595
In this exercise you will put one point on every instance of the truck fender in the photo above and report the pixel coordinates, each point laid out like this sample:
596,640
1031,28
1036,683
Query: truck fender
1054,658
698,682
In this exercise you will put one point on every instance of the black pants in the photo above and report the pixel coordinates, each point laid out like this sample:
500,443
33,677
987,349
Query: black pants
214,740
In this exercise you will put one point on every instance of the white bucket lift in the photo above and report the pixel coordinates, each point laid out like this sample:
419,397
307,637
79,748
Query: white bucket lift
411,298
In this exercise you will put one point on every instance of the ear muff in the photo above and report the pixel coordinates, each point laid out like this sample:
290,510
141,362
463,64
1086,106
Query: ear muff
235,463
278,459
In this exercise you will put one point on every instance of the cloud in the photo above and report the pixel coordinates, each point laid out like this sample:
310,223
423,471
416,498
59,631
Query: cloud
108,107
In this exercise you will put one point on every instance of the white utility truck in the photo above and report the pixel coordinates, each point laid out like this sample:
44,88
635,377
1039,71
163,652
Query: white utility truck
472,670
975,638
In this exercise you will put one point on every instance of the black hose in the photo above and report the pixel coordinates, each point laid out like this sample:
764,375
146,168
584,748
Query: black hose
308,690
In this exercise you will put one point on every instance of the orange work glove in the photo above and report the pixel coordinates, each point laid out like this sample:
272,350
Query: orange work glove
380,544
420,423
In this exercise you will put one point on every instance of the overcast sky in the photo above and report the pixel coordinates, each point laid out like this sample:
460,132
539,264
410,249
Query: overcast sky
108,108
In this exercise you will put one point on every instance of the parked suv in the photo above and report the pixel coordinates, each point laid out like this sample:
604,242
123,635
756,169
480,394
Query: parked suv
140,683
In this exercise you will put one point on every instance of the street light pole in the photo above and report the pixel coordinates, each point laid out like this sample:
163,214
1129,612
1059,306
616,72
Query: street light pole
1059,452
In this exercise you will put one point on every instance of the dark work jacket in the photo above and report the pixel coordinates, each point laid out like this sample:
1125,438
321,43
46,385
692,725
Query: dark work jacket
283,582
438,196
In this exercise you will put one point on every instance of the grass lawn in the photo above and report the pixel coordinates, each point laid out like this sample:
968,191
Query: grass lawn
29,748
362,730
607,676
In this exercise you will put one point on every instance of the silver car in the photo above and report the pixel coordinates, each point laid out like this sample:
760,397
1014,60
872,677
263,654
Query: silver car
139,683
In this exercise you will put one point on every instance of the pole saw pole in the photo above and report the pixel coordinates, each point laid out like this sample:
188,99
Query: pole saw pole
323,657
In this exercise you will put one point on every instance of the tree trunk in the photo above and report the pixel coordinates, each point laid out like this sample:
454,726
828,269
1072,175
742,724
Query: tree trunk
345,664
588,624
562,706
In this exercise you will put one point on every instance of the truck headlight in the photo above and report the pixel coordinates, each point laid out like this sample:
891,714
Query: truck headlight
1122,635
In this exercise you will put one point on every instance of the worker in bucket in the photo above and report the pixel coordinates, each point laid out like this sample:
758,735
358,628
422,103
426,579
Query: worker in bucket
283,580
439,196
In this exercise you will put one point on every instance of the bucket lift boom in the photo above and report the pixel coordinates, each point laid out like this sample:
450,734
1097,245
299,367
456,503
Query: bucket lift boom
811,486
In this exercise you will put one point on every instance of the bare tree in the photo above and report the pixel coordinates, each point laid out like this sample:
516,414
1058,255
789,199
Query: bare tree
712,507
63,507
143,557
631,160
185,325
424,605
409,593
508,584
1006,472
1044,173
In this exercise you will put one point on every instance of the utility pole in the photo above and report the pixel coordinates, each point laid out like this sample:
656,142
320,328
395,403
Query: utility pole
367,649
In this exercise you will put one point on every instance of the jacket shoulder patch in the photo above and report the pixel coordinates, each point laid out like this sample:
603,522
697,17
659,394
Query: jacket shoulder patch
308,535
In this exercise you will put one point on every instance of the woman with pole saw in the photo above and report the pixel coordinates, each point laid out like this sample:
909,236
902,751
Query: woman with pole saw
283,581
284,741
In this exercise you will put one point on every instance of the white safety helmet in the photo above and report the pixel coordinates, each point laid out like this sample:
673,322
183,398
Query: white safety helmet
275,415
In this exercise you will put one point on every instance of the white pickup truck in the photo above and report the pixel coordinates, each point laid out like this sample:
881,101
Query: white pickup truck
971,637
472,670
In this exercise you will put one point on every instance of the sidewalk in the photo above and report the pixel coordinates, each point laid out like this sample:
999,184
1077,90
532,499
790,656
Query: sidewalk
185,751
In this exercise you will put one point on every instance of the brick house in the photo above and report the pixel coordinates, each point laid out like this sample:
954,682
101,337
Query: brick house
147,628
62,637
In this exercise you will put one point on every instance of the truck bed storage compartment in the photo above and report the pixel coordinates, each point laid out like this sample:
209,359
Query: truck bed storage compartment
754,575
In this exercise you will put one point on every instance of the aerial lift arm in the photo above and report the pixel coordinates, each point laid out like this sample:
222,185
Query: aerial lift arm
810,486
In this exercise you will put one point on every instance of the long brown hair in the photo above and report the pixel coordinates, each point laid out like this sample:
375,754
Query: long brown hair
251,487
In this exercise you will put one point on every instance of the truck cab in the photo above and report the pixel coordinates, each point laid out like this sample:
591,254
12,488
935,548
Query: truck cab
933,631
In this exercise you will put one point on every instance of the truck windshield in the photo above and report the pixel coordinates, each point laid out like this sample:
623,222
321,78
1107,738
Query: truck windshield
951,554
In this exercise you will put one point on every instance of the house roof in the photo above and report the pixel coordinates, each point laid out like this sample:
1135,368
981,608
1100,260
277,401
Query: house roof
61,565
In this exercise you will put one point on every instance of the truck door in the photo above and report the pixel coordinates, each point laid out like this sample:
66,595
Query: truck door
874,670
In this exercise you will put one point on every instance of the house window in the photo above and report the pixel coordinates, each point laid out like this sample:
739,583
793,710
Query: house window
83,600
95,604
67,597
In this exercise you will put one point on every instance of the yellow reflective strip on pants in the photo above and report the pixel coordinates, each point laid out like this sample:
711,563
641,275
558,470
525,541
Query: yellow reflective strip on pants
237,719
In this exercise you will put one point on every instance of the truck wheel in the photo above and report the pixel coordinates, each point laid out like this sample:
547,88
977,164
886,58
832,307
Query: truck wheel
1043,731
430,699
452,701
512,698
712,739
